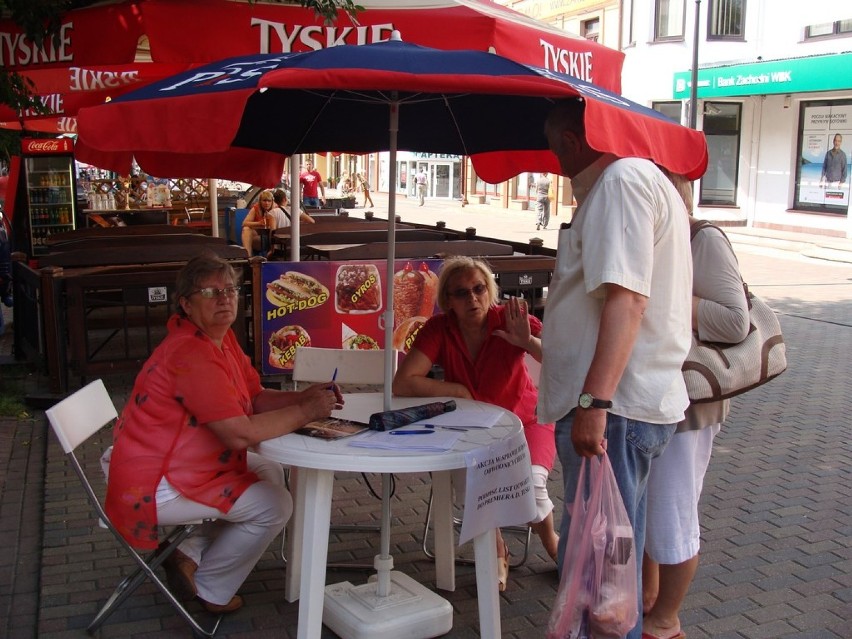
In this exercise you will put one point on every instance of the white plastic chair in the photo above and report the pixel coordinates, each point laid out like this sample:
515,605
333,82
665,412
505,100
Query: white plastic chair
74,420
367,367
312,365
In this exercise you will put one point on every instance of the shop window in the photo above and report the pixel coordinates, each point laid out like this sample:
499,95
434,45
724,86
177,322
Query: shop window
722,122
726,20
823,159
838,27
628,35
402,180
671,110
522,186
481,187
591,29
668,19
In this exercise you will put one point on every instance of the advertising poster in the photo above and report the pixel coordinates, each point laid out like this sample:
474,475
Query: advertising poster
341,305
824,164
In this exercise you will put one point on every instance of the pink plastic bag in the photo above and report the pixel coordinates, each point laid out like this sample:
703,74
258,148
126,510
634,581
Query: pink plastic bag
598,592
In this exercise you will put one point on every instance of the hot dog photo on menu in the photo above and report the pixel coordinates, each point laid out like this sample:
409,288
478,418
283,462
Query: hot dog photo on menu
297,290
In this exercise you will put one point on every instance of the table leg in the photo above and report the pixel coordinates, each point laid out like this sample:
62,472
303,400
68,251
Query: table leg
442,518
485,554
316,489
294,542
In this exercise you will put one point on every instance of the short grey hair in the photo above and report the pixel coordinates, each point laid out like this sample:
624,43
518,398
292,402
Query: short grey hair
200,268
463,264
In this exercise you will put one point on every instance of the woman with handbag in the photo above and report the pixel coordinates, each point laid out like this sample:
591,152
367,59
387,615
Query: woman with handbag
719,314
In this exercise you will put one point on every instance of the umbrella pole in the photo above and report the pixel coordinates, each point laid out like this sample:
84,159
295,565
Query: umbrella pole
295,208
213,205
384,561
393,129
370,611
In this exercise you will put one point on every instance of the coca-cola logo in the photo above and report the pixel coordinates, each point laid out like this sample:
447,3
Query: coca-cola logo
47,146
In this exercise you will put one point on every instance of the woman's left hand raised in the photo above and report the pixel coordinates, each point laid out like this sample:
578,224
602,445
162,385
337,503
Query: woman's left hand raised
517,323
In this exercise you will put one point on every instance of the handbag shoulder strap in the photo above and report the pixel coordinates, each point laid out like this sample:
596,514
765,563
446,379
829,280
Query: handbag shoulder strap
696,226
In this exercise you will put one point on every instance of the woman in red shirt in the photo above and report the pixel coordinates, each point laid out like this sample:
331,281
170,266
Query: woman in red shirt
180,445
481,347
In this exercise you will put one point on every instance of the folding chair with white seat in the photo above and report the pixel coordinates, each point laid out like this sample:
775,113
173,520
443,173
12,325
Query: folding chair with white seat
364,367
524,532
74,420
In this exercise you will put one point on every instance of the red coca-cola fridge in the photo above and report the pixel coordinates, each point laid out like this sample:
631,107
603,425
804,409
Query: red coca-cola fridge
49,192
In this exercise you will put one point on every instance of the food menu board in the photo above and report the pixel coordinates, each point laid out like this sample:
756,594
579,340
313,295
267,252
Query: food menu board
342,305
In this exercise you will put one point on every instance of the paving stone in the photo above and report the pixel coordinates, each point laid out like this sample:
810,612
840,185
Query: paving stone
776,557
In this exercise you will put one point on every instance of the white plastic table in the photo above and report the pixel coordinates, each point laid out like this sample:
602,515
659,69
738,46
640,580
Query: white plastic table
315,462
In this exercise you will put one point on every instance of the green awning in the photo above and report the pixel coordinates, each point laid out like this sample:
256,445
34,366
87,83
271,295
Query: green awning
794,75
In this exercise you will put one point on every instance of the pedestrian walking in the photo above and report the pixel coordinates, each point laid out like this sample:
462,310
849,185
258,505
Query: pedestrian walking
313,190
542,201
365,188
421,180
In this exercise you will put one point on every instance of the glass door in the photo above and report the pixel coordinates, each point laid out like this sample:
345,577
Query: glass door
50,199
440,180
722,122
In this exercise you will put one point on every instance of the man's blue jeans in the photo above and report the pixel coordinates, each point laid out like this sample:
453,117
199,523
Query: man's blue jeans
631,445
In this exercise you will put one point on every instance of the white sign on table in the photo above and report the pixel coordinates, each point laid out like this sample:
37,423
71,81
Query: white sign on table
499,487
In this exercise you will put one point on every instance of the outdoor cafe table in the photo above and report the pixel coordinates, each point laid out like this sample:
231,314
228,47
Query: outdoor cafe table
404,249
148,215
315,462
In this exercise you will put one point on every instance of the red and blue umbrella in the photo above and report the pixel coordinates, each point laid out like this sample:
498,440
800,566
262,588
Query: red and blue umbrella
240,117
254,108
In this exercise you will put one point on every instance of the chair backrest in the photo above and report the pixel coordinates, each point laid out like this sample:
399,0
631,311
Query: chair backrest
196,214
353,366
81,415
234,230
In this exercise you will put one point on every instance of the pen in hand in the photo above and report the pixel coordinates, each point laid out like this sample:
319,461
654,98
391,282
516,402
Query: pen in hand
333,378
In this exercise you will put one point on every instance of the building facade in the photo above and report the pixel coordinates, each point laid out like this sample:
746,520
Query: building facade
596,20
774,97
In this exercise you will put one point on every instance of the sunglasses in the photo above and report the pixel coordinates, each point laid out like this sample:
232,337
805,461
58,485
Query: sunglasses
464,293
210,293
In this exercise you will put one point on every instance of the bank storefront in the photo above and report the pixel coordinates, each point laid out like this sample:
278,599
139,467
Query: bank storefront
779,134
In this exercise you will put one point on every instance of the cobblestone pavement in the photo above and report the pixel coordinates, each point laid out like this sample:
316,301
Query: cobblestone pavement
776,557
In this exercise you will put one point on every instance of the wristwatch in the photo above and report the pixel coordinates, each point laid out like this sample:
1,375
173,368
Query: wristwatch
587,400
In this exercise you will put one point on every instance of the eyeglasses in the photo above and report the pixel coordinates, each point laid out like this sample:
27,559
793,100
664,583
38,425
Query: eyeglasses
209,293
464,293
